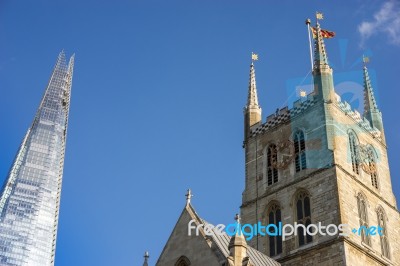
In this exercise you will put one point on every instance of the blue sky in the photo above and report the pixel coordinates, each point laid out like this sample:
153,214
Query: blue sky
157,100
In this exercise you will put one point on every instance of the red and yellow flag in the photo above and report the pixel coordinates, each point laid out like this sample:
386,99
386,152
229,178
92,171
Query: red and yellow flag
325,33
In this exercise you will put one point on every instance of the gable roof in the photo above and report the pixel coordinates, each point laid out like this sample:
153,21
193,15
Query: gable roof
218,243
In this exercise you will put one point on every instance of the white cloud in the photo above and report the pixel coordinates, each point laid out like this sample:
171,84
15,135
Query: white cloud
386,21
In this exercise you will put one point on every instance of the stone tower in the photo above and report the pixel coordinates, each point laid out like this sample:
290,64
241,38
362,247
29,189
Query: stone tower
320,162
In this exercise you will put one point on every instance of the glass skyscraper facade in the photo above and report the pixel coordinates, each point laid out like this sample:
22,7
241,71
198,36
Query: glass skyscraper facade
30,197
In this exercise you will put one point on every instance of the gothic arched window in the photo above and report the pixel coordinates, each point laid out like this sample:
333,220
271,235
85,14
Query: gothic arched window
363,218
383,235
275,242
354,152
182,261
272,172
303,214
300,151
372,166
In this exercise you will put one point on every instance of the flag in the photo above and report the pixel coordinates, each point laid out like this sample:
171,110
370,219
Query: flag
319,15
254,56
325,33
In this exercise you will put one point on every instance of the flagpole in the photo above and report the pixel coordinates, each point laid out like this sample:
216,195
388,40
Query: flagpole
308,22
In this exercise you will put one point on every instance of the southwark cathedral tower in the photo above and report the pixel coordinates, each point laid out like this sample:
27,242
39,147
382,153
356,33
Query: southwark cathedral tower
319,162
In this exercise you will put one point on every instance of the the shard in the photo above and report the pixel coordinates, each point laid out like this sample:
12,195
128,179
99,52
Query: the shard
30,196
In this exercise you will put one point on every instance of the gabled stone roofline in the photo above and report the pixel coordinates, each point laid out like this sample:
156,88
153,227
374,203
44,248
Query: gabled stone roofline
189,209
219,244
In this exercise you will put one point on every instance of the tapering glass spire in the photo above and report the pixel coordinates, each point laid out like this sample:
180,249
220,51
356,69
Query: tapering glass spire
30,198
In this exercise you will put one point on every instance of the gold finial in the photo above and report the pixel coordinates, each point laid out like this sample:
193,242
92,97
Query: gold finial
365,60
319,15
254,57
